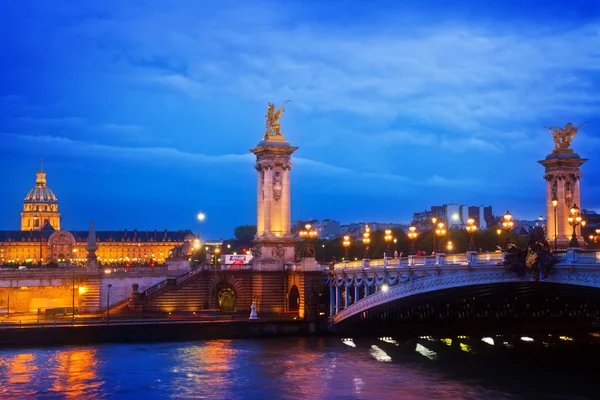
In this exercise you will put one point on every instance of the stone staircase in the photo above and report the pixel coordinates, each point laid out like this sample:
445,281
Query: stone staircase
90,300
188,295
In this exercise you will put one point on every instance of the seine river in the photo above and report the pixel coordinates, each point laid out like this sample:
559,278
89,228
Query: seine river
537,367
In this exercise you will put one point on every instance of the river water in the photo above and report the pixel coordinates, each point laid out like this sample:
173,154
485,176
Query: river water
501,367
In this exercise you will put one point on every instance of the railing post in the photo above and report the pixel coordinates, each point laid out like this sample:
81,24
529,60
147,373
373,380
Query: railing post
471,258
411,261
365,262
385,262
345,264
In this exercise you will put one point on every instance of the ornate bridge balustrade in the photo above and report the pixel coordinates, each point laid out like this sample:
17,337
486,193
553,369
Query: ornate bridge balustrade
358,286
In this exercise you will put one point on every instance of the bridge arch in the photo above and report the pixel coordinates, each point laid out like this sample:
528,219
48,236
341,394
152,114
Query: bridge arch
402,287
294,299
225,293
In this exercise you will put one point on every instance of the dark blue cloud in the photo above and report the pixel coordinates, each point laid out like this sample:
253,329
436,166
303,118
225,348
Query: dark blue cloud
144,111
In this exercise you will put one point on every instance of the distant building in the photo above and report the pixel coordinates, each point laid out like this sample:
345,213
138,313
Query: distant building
455,216
328,228
355,230
42,239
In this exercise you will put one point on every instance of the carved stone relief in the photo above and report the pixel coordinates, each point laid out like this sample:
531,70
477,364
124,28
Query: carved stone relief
277,185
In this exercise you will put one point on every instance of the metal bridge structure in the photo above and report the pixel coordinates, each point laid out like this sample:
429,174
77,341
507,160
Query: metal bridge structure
453,287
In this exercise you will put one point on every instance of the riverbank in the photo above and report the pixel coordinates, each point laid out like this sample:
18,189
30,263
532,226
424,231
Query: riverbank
164,331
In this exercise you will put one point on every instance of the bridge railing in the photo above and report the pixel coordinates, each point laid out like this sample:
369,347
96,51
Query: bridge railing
569,256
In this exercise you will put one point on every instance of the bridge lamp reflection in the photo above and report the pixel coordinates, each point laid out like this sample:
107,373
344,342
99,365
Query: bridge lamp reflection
488,340
379,354
384,288
424,351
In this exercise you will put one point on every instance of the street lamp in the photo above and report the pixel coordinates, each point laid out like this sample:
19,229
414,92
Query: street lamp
412,235
200,217
395,246
217,252
471,228
308,232
440,231
346,244
108,303
595,238
574,220
555,204
582,232
433,221
388,239
73,305
366,240
507,225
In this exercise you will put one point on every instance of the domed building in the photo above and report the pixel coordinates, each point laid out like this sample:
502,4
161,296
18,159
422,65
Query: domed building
40,238
40,206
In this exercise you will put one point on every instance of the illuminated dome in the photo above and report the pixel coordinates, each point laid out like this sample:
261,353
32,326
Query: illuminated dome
40,207
40,193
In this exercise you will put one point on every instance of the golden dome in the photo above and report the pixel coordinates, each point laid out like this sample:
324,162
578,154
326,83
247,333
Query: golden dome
40,193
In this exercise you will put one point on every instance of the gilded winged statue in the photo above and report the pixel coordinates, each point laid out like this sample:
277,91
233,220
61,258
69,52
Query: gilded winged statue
564,136
272,123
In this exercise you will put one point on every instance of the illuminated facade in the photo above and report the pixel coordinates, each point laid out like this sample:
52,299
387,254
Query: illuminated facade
40,237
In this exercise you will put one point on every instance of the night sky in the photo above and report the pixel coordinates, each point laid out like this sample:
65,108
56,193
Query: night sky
144,111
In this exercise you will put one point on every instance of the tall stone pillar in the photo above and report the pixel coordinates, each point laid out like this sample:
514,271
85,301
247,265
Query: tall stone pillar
92,260
274,243
562,175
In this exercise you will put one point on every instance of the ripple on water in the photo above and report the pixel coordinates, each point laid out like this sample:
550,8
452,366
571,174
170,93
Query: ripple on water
314,368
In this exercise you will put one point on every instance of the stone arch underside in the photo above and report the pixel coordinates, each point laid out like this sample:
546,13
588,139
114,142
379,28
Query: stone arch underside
221,283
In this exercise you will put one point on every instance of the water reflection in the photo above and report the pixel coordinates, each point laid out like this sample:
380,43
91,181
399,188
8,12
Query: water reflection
465,367
74,373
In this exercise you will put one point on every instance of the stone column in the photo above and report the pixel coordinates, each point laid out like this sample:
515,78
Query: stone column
285,200
268,200
355,292
337,299
260,227
562,174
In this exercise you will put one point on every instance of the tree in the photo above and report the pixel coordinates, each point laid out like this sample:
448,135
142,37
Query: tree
244,234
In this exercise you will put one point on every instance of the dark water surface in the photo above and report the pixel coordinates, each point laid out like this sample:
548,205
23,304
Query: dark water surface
504,367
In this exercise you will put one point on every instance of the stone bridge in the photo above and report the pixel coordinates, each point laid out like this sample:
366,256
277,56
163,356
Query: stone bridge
461,286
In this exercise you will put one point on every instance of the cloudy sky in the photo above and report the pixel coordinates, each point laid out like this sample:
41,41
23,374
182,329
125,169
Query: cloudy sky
144,111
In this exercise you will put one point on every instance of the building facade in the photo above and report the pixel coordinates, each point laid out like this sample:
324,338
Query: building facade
40,238
454,215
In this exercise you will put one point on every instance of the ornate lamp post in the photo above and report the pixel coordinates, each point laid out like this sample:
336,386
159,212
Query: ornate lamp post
574,220
582,232
440,231
346,244
395,245
367,240
108,303
555,204
412,235
471,228
433,233
595,238
217,252
388,239
507,225
308,232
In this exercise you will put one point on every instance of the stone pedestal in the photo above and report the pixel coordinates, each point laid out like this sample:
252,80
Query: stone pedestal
562,175
309,265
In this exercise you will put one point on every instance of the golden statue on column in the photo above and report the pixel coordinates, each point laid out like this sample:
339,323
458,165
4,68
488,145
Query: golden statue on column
272,123
564,136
